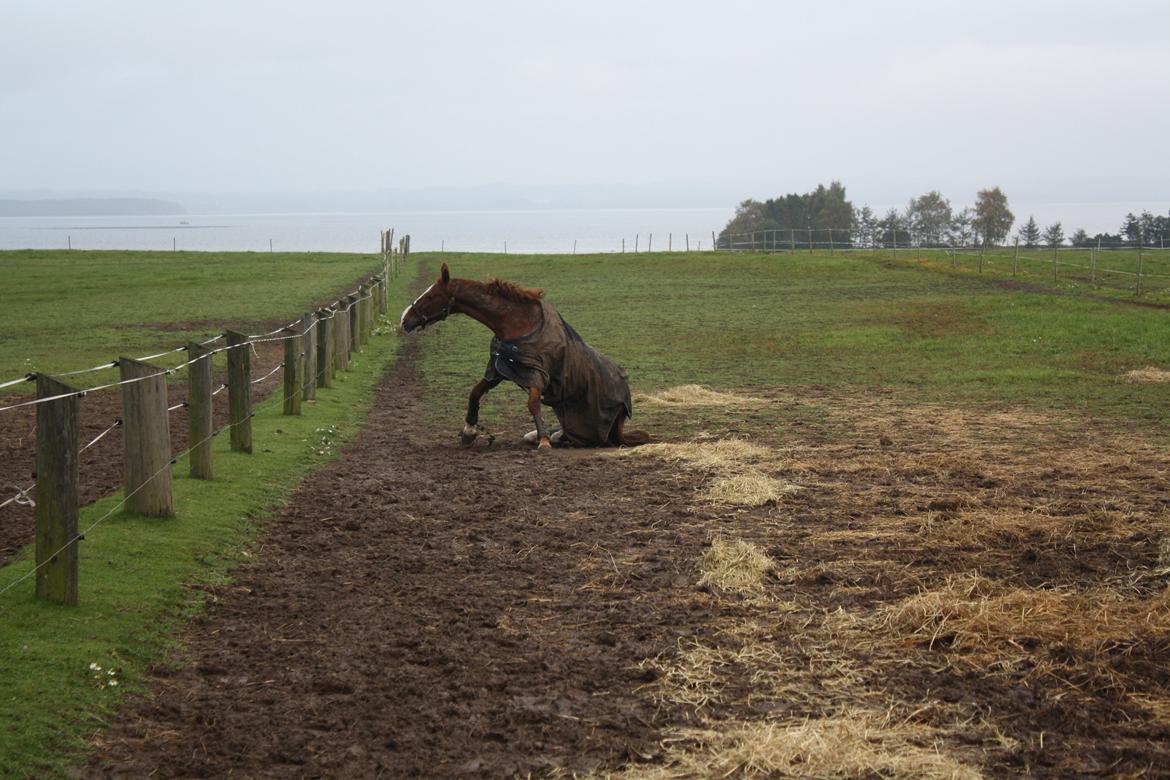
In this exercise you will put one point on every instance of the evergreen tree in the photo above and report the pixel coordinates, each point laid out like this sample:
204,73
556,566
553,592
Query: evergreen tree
1029,234
1132,229
1054,235
1079,238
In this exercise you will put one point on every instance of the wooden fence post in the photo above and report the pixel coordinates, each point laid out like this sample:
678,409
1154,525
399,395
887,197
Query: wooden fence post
341,337
199,418
239,366
293,379
326,344
146,439
1016,259
406,251
310,361
1141,262
58,439
714,243
354,324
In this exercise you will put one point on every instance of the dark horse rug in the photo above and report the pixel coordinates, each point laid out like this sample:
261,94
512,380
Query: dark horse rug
586,389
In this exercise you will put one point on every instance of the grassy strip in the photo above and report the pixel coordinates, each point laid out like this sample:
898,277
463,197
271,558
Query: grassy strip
137,573
848,322
72,310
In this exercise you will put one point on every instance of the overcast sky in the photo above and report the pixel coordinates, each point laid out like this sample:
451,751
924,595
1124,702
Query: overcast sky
1056,101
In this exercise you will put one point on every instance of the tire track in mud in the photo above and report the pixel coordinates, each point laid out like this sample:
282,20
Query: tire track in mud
424,610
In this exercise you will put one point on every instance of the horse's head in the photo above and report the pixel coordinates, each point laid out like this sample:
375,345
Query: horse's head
433,305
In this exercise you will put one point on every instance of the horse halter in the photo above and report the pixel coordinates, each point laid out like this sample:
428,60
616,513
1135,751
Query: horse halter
425,319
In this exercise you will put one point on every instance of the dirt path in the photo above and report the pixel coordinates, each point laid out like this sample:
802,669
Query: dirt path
424,610
951,593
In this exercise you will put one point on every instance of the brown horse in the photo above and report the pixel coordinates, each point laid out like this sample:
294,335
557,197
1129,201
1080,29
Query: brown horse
535,348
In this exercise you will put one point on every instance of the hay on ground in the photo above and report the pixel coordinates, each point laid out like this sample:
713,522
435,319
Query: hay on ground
1147,375
971,612
854,743
721,454
737,566
750,488
697,395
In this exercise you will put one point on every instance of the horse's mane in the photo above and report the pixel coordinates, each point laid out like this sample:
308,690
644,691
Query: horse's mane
512,292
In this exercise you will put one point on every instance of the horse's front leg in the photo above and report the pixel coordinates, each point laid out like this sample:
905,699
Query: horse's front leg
534,410
471,422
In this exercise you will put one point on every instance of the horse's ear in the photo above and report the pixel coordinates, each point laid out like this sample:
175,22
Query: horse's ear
446,274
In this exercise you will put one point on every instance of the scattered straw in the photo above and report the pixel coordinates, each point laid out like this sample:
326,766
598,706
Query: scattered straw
735,464
737,566
717,455
697,395
1147,375
971,612
750,488
855,743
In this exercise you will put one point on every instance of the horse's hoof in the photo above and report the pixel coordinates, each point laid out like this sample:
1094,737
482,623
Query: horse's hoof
545,444
468,435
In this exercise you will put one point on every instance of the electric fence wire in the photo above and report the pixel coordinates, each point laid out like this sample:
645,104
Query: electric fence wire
253,339
81,535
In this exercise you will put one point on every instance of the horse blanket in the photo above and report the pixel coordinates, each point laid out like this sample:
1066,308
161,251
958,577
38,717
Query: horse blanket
586,389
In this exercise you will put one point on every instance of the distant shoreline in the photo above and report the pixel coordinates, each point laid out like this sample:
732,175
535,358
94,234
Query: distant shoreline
90,207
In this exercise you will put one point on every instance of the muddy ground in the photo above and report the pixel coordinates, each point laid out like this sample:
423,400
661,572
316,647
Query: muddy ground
986,591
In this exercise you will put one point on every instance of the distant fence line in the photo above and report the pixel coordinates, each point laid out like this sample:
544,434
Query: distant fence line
317,346
808,239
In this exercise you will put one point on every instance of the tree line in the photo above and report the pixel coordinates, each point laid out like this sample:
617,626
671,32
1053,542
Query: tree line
928,220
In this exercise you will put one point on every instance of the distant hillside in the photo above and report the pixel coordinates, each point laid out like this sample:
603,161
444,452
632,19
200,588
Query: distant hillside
89,207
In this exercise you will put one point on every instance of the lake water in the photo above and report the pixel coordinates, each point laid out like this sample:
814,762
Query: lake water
593,230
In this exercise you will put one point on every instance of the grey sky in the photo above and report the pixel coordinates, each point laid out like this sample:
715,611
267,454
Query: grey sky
1056,101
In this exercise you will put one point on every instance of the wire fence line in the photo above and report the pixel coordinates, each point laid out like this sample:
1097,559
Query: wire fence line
884,237
317,345
80,536
260,338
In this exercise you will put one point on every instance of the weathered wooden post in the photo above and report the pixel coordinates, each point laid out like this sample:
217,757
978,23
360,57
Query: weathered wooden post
293,378
326,345
353,336
714,244
309,329
365,298
1141,262
792,239
1016,258
341,334
239,366
688,241
406,252
146,439
830,242
58,439
199,419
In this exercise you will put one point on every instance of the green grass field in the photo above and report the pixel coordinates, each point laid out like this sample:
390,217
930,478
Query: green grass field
911,329
849,321
71,310
137,573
